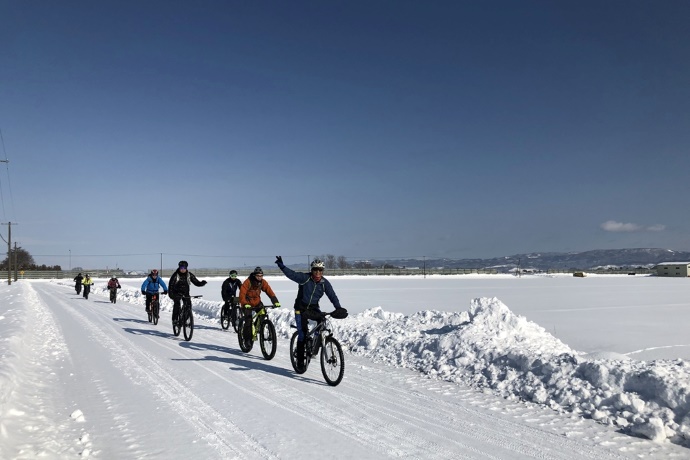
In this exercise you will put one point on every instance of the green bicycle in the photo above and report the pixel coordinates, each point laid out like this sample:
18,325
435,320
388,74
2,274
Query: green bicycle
263,329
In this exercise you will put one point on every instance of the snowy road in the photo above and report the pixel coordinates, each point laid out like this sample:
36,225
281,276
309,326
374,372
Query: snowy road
96,379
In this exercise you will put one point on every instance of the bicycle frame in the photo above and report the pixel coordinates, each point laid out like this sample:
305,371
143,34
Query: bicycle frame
314,338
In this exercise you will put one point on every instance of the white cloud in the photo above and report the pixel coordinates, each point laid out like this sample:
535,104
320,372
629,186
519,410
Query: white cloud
613,226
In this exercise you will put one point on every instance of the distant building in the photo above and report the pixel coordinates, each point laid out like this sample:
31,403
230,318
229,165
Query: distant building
673,269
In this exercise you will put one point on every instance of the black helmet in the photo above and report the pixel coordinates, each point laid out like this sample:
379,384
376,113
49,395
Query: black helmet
233,272
183,263
258,271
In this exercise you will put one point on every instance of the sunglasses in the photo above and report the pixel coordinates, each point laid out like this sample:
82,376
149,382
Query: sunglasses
183,267
233,276
317,269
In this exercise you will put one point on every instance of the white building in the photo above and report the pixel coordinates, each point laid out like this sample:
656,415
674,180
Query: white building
673,269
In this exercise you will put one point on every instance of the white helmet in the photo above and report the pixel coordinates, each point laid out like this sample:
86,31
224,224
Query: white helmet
317,265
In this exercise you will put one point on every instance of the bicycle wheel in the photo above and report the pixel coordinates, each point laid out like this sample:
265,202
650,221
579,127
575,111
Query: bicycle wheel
154,311
293,357
332,361
235,319
224,317
177,324
246,344
188,324
268,339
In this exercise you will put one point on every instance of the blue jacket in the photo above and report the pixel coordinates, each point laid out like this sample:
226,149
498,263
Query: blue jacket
310,289
151,286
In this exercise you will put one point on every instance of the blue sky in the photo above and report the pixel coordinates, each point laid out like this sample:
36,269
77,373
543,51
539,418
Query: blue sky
241,130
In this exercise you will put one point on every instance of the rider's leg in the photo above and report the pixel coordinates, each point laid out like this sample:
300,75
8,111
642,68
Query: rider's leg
176,309
302,323
247,331
148,302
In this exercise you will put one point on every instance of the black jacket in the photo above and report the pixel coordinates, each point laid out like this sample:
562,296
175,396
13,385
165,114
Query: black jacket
229,288
179,283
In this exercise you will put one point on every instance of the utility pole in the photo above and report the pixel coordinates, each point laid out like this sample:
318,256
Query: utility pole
9,252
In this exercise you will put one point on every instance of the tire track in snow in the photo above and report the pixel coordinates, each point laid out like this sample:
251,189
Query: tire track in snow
377,434
528,441
140,366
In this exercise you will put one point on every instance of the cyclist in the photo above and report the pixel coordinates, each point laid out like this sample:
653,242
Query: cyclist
150,287
178,286
312,286
113,286
114,283
250,296
77,280
87,282
229,290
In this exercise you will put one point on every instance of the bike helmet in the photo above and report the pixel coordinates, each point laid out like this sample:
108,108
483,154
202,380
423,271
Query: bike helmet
183,263
258,271
233,272
317,265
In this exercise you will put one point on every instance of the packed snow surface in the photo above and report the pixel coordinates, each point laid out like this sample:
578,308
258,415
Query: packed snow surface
485,348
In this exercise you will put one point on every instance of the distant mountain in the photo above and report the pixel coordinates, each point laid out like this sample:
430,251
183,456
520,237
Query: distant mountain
587,260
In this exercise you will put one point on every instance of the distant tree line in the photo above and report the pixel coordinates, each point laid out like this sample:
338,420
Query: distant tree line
332,261
25,261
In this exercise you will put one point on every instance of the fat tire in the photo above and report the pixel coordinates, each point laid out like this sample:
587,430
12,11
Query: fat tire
188,325
268,339
176,328
154,311
293,359
225,318
235,319
245,345
332,361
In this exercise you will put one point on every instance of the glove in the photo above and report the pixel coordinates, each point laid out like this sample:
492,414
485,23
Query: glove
143,292
276,305
279,260
203,283
165,292
247,306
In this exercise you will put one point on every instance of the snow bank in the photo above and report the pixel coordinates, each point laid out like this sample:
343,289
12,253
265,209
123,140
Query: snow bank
489,346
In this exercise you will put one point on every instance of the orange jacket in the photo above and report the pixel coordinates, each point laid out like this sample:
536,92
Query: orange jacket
250,291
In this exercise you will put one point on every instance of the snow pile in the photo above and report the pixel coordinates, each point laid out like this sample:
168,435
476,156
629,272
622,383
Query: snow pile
489,346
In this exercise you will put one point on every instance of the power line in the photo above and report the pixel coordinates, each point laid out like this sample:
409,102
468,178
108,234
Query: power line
9,184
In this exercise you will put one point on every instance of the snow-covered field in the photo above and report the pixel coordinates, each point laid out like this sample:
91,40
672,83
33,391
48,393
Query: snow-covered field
437,367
